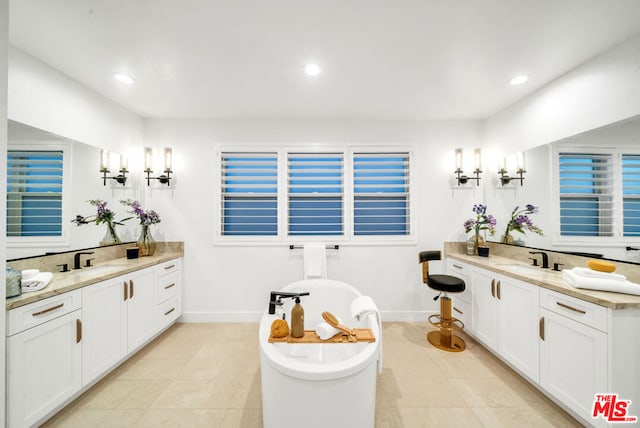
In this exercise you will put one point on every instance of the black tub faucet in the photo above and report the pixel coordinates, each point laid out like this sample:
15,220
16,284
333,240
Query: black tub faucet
274,299
76,259
545,259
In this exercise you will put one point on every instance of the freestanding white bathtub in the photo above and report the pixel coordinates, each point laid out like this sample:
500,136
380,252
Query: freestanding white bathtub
324,385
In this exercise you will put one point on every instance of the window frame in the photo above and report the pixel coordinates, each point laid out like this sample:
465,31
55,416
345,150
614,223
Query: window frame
67,189
592,241
348,236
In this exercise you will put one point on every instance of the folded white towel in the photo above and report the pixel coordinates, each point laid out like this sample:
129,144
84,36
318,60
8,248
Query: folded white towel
597,274
315,260
363,306
29,273
37,282
600,284
326,331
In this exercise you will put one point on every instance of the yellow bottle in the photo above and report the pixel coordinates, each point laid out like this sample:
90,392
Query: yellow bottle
297,320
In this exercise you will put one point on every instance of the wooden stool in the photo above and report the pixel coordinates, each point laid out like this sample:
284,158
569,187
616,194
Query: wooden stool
444,338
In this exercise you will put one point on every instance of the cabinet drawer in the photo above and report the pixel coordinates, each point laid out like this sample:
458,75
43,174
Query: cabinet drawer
454,266
170,266
460,270
36,313
461,310
168,312
168,286
586,313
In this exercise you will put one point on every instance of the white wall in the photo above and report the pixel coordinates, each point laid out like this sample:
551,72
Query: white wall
4,44
44,98
601,91
233,282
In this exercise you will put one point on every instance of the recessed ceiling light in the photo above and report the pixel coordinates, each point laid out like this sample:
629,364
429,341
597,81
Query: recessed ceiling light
312,69
123,78
519,80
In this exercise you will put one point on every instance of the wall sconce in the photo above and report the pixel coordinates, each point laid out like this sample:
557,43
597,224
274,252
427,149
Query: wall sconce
477,161
520,170
105,169
168,159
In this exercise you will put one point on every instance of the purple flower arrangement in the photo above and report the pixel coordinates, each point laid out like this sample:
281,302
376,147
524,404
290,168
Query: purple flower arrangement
521,222
483,221
147,218
103,215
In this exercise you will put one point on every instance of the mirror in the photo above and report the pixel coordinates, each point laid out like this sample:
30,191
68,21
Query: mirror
538,190
82,182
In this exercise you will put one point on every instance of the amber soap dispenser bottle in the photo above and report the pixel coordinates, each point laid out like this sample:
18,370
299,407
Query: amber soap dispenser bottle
297,319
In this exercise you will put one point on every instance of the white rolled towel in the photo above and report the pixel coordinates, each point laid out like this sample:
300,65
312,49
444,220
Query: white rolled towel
363,306
597,274
325,331
37,282
600,284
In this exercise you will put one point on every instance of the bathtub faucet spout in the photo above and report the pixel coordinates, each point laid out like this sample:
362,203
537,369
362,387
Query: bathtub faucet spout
274,299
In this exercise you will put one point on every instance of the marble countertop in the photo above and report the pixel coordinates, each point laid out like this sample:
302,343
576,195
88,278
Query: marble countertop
546,278
68,281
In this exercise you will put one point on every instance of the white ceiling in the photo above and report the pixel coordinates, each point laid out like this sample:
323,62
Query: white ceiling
392,59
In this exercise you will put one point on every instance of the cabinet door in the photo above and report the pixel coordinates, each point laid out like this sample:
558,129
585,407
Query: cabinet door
43,369
105,323
573,362
518,325
484,313
141,309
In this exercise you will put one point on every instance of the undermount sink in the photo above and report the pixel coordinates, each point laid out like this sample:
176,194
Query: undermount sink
529,270
99,270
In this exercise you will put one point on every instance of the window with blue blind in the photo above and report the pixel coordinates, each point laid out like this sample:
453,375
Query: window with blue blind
631,194
381,194
315,194
249,194
34,192
586,188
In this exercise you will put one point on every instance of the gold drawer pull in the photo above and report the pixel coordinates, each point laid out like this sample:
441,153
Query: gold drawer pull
169,311
493,288
458,310
166,287
131,288
44,311
169,267
541,328
580,311
498,290
78,331
126,296
456,266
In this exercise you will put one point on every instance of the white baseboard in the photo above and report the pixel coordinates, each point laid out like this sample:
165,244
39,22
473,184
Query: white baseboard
237,317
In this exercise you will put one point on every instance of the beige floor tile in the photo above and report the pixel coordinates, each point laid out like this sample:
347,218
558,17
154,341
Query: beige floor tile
243,418
95,418
431,417
470,366
493,392
410,393
150,369
412,367
526,417
195,394
182,418
248,395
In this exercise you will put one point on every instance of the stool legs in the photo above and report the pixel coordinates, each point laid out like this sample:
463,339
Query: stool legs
444,338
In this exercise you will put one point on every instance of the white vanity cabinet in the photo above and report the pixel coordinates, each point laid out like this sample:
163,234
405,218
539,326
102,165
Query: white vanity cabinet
573,350
461,302
44,352
169,291
505,318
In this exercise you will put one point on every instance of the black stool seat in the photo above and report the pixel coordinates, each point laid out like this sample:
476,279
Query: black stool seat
446,283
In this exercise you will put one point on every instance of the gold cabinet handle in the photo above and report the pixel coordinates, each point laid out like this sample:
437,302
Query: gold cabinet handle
169,267
458,310
44,311
166,287
493,288
456,266
169,311
126,296
78,330
541,328
498,290
580,311
131,288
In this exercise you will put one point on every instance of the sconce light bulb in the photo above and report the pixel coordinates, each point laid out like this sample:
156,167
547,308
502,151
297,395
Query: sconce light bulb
477,155
520,163
458,159
104,160
147,158
124,162
168,159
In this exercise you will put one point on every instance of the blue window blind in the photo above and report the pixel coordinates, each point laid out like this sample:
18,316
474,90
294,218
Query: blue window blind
631,194
381,193
34,192
586,194
315,192
249,194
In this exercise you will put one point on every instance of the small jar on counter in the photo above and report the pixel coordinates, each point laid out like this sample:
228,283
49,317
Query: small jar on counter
14,282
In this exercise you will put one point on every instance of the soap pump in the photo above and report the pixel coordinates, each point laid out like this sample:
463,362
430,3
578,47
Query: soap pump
297,319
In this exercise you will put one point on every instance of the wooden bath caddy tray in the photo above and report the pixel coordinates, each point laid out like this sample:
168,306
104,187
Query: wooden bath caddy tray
310,336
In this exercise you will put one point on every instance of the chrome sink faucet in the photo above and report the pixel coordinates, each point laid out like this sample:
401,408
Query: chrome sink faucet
76,259
545,259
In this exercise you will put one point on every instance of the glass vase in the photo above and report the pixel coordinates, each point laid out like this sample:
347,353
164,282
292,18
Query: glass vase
110,237
478,241
146,244
507,239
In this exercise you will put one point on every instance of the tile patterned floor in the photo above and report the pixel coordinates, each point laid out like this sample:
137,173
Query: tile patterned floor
208,375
